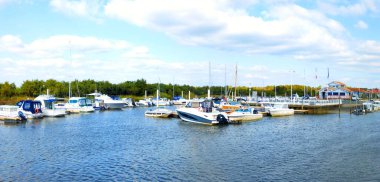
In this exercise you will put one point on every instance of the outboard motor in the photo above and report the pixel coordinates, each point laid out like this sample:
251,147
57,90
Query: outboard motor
22,116
221,119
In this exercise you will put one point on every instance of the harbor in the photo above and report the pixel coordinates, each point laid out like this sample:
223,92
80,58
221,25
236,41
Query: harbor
193,91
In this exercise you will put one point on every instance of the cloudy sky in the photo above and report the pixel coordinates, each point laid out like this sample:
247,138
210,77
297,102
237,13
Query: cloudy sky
271,41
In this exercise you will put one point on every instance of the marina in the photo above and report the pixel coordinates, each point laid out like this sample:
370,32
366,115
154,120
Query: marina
193,91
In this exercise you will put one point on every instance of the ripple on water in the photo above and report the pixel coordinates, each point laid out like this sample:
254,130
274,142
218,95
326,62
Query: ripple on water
126,146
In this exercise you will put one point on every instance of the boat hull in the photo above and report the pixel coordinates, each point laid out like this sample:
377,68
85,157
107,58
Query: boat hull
54,112
194,116
281,112
158,113
118,105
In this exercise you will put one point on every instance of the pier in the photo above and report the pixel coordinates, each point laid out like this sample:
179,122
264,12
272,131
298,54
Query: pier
307,106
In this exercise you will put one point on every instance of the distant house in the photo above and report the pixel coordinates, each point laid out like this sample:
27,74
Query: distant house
335,90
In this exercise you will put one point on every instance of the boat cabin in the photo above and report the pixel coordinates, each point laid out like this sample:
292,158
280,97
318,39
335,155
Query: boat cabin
29,105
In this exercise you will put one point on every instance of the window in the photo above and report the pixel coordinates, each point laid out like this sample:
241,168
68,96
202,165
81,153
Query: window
26,106
335,93
329,93
342,94
73,101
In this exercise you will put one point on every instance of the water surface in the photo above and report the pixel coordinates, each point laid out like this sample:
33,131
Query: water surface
126,146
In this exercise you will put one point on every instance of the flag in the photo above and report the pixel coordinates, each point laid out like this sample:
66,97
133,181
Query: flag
316,76
328,73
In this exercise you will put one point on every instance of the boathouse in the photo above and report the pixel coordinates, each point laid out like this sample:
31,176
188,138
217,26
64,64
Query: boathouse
335,90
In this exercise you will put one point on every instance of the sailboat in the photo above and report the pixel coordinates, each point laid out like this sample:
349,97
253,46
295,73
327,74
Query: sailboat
159,112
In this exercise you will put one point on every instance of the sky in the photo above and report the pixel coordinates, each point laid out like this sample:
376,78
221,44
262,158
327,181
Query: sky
271,42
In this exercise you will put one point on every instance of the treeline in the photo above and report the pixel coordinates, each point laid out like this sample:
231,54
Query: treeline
33,88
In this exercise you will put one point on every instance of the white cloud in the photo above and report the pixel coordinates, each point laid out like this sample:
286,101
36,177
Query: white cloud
56,46
344,8
361,25
85,8
285,29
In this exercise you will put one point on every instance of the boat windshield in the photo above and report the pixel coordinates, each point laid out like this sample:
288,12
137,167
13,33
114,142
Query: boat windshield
82,102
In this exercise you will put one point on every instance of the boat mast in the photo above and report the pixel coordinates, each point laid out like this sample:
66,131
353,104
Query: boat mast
209,80
235,81
158,92
70,63
225,80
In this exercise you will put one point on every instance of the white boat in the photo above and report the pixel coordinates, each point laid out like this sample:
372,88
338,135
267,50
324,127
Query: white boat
128,102
144,103
109,103
30,109
376,105
158,113
78,104
201,112
8,112
48,107
242,115
179,101
278,109
162,102
368,106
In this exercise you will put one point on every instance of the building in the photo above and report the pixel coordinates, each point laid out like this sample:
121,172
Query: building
335,90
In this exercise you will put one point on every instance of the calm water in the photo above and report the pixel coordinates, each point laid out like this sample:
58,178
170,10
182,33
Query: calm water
126,146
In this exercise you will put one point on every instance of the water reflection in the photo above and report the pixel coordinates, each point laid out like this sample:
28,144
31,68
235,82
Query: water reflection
125,145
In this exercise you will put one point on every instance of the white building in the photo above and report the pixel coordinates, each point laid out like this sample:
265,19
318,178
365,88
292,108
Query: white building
335,90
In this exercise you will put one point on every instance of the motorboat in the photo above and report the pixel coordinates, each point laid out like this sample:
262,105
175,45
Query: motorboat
278,109
144,103
229,106
179,101
8,112
158,113
246,114
128,102
202,112
30,109
109,103
368,106
376,105
162,102
78,105
48,107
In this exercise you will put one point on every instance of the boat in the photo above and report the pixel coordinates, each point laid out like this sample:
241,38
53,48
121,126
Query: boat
109,103
368,106
229,106
376,105
242,115
11,113
202,112
278,109
162,102
48,107
78,105
128,102
159,112
144,103
30,109
179,101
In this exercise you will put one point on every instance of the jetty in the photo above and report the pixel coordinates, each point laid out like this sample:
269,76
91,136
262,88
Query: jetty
306,106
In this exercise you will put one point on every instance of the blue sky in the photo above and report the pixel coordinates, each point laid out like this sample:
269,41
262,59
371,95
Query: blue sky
272,42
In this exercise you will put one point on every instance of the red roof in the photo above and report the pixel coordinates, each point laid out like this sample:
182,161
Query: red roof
339,83
362,90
